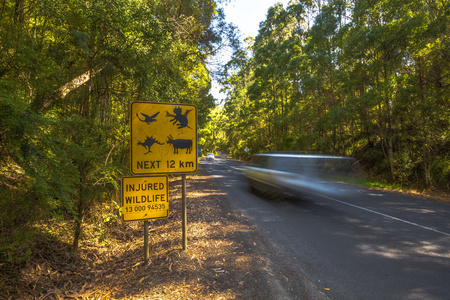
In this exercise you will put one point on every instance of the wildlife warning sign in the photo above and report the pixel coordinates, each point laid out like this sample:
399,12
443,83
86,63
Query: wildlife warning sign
145,197
163,138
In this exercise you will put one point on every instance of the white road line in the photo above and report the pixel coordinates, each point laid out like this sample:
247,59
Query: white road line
366,209
385,215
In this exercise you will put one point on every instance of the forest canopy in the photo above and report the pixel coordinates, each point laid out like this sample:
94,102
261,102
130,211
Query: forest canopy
369,79
69,70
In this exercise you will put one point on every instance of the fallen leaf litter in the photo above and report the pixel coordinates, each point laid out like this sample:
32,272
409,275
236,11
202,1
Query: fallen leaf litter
218,263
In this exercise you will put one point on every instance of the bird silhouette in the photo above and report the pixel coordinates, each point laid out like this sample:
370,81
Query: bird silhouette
147,119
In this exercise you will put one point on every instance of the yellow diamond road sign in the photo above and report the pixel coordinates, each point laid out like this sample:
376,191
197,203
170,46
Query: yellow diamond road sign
163,138
145,197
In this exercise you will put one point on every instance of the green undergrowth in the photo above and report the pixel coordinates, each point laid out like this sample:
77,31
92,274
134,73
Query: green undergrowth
368,183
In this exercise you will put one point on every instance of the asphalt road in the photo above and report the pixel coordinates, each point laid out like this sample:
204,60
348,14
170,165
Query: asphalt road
355,243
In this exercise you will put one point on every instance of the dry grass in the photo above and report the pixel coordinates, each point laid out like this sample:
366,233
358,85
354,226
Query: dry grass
221,261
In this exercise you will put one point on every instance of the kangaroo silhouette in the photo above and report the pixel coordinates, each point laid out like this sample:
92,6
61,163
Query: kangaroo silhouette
148,143
179,118
147,119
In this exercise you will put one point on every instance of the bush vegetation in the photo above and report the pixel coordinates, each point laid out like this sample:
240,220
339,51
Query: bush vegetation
69,70
358,78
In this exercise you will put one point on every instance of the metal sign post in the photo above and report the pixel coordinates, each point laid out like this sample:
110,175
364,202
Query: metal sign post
183,210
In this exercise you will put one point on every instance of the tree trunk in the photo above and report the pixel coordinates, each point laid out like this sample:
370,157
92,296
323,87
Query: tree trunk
78,222
19,16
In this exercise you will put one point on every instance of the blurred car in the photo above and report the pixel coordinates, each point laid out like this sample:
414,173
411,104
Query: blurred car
210,156
278,174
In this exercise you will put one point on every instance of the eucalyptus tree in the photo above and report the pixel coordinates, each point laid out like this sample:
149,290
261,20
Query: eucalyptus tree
68,71
240,129
387,79
364,79
424,89
273,78
320,82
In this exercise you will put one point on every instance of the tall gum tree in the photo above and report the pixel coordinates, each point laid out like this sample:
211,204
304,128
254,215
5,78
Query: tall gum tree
68,71
368,79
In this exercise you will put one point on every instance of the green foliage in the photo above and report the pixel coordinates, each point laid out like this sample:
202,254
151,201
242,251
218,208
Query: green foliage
68,73
15,248
212,137
363,79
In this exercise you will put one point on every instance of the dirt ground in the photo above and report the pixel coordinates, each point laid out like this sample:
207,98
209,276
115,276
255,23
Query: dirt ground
226,257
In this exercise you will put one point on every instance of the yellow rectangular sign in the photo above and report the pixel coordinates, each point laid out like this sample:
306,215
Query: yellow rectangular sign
163,138
145,197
